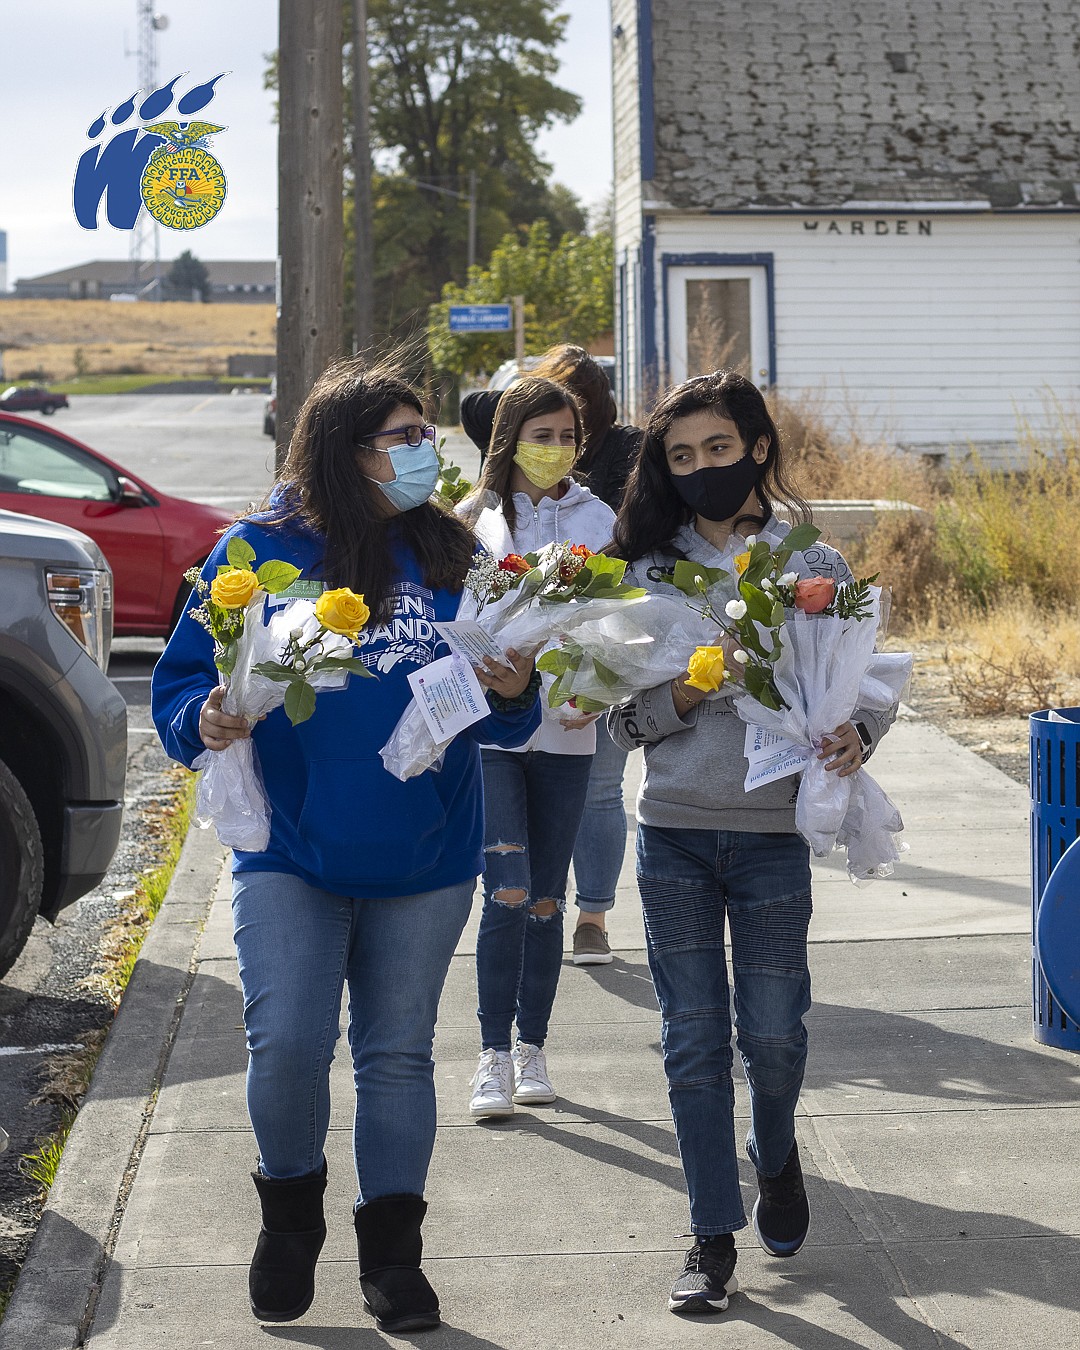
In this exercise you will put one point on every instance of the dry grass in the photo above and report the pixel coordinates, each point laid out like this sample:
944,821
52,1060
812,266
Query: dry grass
64,338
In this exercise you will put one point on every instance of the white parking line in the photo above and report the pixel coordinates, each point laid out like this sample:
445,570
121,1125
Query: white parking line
9,1050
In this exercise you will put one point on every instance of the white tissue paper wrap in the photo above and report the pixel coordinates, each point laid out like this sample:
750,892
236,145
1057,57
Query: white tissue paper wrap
230,793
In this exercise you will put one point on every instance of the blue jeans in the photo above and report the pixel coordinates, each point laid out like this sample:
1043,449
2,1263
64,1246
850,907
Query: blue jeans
689,880
296,947
601,840
532,808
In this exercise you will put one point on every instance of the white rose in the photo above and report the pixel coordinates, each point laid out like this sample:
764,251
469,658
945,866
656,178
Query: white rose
789,579
751,540
741,657
735,609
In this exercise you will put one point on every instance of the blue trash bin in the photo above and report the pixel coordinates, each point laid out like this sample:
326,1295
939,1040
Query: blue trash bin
1055,824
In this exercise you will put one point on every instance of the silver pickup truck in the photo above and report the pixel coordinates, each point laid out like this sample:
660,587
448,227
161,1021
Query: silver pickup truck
63,726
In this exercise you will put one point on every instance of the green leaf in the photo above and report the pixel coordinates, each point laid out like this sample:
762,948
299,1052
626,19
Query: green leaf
801,537
270,670
777,614
584,704
555,662
758,605
353,664
601,565
239,553
276,576
605,674
299,702
693,578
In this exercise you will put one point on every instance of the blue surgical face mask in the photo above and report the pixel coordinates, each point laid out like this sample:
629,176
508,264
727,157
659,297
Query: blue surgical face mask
416,471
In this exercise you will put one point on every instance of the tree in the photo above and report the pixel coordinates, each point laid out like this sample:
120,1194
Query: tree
568,294
188,275
458,87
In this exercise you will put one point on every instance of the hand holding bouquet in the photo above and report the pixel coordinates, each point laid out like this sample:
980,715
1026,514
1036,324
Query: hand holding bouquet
522,603
305,647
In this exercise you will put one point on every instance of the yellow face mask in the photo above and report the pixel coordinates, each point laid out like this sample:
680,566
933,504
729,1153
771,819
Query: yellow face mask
544,465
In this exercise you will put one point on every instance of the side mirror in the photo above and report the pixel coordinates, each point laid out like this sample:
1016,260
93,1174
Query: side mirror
130,493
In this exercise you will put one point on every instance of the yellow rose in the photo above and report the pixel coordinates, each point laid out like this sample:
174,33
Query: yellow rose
706,669
342,611
742,562
233,589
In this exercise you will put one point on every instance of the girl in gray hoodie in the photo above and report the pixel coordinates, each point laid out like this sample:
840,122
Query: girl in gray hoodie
709,472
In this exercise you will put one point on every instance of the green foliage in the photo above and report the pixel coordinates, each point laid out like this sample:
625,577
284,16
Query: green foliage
186,275
567,290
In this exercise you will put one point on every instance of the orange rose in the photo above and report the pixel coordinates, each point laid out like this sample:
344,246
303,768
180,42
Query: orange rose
515,564
813,594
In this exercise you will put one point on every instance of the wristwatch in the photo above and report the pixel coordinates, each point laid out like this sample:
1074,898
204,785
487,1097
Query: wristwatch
866,744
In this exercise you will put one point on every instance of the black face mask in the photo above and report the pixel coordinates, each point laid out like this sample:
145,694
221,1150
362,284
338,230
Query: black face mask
718,492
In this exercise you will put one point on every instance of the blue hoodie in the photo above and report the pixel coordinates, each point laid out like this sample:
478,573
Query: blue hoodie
338,819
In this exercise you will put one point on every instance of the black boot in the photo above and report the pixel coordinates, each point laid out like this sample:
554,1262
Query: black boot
281,1281
389,1244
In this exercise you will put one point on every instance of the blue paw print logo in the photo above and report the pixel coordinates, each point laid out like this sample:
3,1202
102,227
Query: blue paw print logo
162,165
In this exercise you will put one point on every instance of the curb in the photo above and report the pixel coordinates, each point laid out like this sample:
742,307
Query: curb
55,1296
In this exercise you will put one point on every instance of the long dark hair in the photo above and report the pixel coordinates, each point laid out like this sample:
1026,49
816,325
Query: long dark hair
530,397
324,490
652,511
573,366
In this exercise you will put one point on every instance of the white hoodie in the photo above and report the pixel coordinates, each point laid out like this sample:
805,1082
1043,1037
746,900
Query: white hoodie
581,518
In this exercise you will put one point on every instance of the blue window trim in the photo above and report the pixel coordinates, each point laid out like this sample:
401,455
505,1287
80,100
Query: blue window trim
650,360
647,121
765,260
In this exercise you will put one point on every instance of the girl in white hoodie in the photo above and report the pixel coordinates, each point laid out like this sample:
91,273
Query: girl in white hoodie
533,796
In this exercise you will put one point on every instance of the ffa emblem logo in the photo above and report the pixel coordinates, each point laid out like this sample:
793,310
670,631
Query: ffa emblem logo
183,186
164,166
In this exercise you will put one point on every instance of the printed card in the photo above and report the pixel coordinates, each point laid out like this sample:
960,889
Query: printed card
770,756
471,641
449,696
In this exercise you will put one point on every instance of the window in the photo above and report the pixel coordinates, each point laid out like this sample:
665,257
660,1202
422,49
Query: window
717,326
45,468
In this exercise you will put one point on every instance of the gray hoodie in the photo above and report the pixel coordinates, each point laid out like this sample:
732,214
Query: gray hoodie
694,768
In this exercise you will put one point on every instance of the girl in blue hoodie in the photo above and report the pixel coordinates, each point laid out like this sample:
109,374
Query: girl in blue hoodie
365,880
535,794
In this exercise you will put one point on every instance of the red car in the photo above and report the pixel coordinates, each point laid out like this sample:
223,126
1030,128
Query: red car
30,398
149,539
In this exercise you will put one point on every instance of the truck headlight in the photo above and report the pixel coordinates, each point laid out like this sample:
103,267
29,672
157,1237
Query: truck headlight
83,603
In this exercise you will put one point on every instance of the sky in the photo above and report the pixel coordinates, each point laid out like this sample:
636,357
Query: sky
75,68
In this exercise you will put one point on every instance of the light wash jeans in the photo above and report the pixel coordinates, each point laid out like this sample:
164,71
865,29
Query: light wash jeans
601,839
689,880
532,807
296,947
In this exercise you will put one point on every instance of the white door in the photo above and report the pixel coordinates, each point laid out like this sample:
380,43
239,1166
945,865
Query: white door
718,315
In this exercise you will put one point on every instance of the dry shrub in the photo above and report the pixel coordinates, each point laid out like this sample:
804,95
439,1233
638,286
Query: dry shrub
1010,659
901,548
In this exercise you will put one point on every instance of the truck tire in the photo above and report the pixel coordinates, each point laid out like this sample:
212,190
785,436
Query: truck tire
21,868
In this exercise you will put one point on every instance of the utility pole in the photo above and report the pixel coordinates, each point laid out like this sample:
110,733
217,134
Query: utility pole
364,255
519,332
311,242
472,218
145,236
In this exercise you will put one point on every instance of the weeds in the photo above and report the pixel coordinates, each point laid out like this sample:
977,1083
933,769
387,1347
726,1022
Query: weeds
41,1164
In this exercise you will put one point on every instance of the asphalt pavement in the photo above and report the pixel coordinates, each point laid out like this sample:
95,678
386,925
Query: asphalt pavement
941,1144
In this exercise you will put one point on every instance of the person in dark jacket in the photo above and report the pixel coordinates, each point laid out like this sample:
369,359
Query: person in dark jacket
365,880
604,466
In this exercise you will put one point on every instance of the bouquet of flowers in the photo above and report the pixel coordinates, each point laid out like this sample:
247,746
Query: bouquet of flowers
306,646
797,656
520,602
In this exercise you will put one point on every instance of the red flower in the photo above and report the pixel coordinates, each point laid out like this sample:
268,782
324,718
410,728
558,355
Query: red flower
573,565
813,594
515,564
580,551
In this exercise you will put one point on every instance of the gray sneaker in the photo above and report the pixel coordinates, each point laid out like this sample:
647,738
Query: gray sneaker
591,946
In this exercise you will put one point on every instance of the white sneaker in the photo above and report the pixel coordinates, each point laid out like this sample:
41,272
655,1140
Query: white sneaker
531,1081
491,1084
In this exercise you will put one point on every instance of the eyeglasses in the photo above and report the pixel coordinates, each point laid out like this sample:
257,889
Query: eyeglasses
414,436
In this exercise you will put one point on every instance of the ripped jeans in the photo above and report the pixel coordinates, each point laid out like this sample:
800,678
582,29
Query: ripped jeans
532,808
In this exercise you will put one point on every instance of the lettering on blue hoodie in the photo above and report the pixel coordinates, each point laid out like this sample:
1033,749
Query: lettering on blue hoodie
338,819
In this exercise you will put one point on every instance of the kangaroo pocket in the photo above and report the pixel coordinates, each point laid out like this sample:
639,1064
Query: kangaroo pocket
359,825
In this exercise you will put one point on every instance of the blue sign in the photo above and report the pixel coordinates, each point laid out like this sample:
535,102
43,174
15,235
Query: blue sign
480,318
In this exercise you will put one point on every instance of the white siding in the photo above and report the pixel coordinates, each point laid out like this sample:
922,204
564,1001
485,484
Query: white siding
929,341
626,116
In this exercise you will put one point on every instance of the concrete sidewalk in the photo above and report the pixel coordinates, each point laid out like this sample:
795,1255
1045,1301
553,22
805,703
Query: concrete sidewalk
941,1144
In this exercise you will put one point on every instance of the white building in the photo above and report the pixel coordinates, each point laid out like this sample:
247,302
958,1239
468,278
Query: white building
874,205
